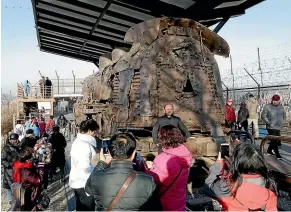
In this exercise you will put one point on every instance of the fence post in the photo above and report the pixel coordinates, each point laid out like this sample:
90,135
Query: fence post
259,86
74,81
227,90
58,81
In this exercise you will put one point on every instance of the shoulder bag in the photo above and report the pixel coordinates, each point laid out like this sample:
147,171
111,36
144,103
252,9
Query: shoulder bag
121,191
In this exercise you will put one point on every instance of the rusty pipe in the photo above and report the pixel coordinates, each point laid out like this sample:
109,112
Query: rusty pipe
273,137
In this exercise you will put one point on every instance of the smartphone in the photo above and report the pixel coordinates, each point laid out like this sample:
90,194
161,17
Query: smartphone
224,149
105,146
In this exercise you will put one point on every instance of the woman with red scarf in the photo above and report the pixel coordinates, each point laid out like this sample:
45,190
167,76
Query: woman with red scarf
31,176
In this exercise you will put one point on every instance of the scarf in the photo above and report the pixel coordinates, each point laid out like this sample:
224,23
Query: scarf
17,169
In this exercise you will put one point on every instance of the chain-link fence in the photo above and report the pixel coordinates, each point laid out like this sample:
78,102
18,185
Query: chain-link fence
67,86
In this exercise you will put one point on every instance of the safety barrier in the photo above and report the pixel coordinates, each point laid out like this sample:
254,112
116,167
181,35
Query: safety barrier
36,92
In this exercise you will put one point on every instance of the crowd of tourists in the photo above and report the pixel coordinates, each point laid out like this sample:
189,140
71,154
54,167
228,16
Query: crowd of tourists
273,115
31,156
122,180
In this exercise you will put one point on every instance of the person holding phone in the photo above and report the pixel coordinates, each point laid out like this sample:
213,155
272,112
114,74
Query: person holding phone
231,180
113,172
82,153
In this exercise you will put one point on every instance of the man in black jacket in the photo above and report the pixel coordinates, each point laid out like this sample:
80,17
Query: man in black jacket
48,87
169,119
9,154
106,180
59,144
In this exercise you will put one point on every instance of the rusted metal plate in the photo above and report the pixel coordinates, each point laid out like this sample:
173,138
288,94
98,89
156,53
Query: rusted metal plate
179,27
171,61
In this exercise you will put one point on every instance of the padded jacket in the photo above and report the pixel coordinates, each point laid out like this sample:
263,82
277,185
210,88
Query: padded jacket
274,116
105,182
9,154
165,120
170,171
251,195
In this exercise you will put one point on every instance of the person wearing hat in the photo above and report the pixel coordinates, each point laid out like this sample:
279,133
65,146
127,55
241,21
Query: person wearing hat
230,117
274,116
9,154
252,106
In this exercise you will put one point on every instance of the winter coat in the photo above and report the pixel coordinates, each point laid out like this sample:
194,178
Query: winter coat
252,106
48,82
242,115
251,195
165,120
9,154
27,125
43,151
105,182
35,130
166,167
42,125
32,179
50,124
28,141
59,144
82,153
62,122
274,116
229,113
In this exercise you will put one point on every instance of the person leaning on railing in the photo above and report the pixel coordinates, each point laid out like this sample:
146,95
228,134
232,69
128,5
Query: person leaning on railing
242,183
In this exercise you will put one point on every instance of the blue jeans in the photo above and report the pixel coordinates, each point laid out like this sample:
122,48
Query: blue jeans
9,195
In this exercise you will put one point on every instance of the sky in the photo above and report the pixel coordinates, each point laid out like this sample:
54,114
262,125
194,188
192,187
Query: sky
266,25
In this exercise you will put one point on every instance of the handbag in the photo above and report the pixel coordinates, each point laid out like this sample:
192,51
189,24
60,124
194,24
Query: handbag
121,191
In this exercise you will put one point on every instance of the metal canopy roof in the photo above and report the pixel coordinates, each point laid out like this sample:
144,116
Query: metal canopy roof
86,29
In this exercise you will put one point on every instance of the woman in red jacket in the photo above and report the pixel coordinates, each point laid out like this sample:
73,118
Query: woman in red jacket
247,186
230,117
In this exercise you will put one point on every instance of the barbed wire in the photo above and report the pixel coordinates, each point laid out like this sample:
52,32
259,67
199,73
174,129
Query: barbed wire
270,72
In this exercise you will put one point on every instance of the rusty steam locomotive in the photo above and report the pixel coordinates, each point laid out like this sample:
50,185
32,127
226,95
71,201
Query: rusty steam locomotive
171,61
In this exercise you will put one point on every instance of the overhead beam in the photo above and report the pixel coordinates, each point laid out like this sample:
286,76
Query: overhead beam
74,38
35,21
96,23
84,13
67,54
77,32
220,25
58,48
52,12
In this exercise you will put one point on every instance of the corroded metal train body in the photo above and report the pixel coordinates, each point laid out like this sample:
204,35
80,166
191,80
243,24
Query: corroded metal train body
171,61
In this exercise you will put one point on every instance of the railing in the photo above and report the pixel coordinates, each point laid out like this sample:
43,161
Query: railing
37,92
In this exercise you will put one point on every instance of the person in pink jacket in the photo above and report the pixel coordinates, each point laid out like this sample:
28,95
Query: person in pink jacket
170,169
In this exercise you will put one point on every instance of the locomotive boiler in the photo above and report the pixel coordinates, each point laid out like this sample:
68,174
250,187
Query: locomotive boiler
171,60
